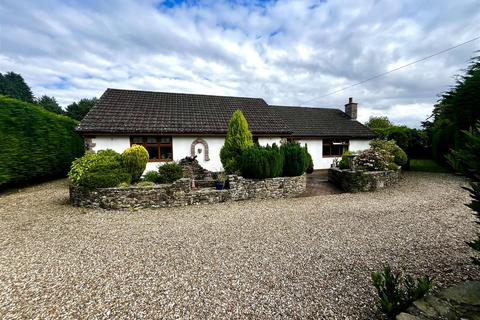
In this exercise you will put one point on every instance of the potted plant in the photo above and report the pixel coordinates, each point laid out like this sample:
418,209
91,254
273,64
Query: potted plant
220,181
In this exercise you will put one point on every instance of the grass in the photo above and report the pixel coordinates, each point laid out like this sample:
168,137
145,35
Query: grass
426,165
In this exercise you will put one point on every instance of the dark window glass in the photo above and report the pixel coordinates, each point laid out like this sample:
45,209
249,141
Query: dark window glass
151,139
166,153
165,140
152,152
334,148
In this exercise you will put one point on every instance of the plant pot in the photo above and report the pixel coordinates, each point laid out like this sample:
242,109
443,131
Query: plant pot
219,185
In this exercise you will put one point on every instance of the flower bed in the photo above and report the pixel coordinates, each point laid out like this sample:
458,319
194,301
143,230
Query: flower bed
180,193
358,181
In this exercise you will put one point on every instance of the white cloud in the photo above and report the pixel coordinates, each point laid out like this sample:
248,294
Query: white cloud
287,52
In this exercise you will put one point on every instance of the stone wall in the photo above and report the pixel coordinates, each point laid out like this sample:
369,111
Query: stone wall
180,193
358,181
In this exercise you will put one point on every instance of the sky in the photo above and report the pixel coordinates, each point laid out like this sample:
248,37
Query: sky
286,52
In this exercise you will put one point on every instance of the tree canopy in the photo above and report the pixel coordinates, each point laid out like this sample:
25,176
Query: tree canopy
458,109
50,104
238,139
78,110
13,85
378,123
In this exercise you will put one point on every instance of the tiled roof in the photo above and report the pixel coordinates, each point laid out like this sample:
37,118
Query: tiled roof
130,111
321,122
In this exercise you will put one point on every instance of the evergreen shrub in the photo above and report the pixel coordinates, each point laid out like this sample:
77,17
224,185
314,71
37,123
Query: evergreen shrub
170,172
35,144
295,159
135,161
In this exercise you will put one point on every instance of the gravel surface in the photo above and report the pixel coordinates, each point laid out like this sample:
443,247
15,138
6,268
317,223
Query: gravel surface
295,258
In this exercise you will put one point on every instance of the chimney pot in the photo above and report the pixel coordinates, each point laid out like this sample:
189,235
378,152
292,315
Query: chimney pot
351,109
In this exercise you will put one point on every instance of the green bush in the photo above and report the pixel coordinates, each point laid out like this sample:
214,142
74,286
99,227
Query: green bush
373,160
238,139
275,160
35,144
295,159
135,161
309,162
99,170
105,178
254,163
152,176
399,156
345,161
396,292
393,166
170,172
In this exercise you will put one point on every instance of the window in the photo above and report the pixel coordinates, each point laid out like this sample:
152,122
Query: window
334,147
159,147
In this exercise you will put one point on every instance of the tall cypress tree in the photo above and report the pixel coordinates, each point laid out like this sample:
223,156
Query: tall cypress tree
13,85
238,139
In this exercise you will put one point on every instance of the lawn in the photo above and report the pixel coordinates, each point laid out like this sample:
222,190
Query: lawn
426,165
272,259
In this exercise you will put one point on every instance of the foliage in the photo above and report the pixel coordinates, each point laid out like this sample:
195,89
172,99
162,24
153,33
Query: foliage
378,123
145,184
152,176
238,139
309,163
393,166
220,176
396,292
295,159
399,156
50,104
346,160
254,163
105,178
13,85
275,160
135,161
469,157
425,165
414,142
99,170
170,172
123,185
373,160
454,162
78,110
458,109
35,144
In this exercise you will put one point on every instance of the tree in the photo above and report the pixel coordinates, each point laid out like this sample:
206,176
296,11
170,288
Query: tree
458,109
13,85
378,123
79,110
238,139
469,158
50,104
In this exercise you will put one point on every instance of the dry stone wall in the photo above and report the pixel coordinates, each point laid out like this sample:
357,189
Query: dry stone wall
358,181
180,193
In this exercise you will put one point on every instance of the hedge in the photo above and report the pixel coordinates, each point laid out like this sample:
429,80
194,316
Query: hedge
35,144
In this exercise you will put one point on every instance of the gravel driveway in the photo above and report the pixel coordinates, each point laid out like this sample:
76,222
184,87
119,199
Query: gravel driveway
296,258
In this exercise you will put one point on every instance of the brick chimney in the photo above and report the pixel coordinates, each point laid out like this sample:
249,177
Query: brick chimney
351,109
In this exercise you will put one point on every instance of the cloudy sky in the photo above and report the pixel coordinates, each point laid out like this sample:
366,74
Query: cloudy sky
287,52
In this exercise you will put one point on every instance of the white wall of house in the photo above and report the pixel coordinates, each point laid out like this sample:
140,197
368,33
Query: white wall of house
182,148
263,141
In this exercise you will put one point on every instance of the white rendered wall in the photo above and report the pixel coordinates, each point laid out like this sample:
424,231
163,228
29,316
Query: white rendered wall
182,149
116,143
263,141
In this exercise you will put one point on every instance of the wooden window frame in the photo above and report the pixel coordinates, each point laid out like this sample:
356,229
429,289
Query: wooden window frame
159,145
330,142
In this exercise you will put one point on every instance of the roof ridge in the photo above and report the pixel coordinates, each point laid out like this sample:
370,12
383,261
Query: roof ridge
186,94
300,107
